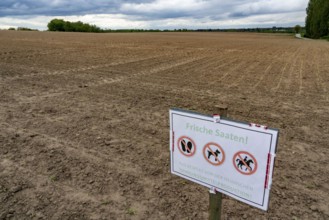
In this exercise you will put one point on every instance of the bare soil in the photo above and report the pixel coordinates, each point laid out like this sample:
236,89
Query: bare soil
84,128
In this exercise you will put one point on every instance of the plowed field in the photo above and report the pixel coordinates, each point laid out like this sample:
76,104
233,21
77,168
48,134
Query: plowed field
84,127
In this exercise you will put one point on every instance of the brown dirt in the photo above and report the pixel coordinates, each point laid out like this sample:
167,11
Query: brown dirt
84,121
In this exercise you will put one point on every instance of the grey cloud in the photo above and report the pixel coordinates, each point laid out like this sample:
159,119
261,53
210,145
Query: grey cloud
268,7
77,7
60,7
148,10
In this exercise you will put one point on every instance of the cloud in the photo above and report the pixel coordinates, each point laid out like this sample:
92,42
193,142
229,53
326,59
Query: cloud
269,7
55,7
154,13
164,8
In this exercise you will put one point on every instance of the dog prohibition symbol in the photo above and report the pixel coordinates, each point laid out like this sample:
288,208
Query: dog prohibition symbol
217,152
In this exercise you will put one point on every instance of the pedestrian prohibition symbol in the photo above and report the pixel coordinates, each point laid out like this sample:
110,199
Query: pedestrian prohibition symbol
214,154
245,163
186,146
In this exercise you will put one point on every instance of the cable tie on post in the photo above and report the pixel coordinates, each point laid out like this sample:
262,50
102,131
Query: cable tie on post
216,118
258,126
212,190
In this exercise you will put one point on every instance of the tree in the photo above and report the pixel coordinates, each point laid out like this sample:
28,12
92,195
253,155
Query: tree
61,25
297,29
317,20
56,25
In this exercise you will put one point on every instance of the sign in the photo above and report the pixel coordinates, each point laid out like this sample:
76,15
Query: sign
234,158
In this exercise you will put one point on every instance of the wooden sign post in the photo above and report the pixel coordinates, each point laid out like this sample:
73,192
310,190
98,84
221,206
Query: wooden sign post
215,198
215,205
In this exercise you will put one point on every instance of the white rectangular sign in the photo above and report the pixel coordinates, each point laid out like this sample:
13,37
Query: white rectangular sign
233,158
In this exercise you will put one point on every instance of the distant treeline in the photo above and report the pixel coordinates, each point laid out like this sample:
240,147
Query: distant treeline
22,29
67,26
317,20
257,30
83,28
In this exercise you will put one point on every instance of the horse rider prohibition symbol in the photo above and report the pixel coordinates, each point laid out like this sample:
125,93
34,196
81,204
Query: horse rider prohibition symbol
244,163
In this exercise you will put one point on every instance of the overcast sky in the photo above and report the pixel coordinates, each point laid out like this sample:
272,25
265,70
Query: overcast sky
154,14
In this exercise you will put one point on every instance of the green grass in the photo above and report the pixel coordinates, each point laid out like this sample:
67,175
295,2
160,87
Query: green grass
325,37
53,178
131,211
106,203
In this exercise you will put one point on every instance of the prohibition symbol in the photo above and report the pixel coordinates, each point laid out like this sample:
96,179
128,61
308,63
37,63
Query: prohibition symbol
245,163
214,154
186,146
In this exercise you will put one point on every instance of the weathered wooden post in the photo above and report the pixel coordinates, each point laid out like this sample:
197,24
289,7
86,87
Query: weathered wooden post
215,205
215,198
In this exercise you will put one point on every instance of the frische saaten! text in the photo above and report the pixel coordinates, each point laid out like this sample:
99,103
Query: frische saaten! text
217,132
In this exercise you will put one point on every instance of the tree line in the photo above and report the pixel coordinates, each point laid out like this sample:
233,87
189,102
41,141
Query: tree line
317,20
67,26
22,29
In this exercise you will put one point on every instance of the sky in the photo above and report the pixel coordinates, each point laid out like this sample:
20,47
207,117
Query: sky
155,14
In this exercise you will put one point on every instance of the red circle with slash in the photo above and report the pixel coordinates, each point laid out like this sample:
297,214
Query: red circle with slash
214,155
242,161
186,146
